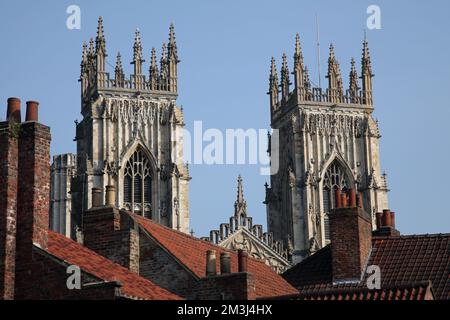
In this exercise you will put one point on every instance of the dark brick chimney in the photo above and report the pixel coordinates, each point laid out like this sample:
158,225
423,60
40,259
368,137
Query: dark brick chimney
9,153
111,233
24,197
33,199
351,238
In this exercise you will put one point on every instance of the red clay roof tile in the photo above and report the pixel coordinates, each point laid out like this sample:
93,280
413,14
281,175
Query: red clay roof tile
133,286
191,252
402,260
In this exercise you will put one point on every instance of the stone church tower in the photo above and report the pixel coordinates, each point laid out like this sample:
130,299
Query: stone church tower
328,140
130,136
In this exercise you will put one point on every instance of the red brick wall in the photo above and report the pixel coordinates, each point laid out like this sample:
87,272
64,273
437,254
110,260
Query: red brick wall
8,205
351,240
112,235
157,265
236,286
33,198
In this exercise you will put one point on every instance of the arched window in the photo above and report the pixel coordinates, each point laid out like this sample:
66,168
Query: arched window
335,179
137,184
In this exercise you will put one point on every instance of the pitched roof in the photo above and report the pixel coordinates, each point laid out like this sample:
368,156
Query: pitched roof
402,260
133,286
191,252
415,291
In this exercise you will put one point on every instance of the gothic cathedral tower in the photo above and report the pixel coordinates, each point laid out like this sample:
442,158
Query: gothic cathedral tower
328,140
131,134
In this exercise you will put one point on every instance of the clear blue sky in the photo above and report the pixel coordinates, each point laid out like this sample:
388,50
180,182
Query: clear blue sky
225,48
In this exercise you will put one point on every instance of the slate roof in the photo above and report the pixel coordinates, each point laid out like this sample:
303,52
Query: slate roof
133,286
404,261
191,252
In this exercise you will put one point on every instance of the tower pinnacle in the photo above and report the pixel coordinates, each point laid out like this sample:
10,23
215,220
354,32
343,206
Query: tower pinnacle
119,74
366,74
154,72
354,86
285,79
100,42
273,85
240,206
335,84
138,60
172,60
299,68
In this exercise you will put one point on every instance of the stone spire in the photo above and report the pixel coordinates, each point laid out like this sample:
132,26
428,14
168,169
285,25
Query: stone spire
273,85
91,51
84,60
354,86
240,206
100,52
335,84
285,79
138,60
366,74
154,71
163,68
299,67
119,74
172,60
84,66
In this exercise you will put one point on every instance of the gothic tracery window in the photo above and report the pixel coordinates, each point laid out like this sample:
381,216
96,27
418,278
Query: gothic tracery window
335,179
137,184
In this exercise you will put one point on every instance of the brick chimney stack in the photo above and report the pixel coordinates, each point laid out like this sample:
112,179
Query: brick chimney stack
9,153
111,233
351,238
24,196
33,197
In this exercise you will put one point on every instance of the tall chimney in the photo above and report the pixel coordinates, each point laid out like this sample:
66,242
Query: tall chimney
211,267
32,200
8,208
351,240
13,112
242,261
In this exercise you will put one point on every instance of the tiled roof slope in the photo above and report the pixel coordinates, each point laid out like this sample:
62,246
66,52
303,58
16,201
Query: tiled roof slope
402,260
419,291
191,252
133,286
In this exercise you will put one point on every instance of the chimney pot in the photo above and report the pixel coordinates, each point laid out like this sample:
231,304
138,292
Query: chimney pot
13,111
225,263
387,222
110,198
352,198
242,261
97,200
393,219
344,200
379,218
211,269
338,199
32,111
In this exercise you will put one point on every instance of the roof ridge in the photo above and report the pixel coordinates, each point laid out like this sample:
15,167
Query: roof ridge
414,236
133,216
